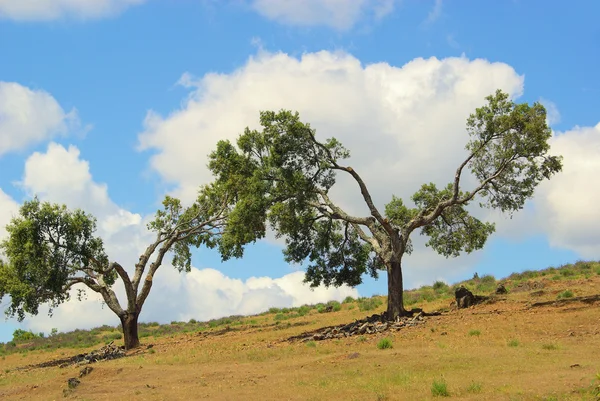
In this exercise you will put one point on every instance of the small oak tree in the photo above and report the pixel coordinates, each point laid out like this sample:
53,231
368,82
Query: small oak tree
283,174
50,249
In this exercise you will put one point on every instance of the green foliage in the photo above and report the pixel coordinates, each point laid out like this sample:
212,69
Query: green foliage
474,332
550,346
565,294
385,343
311,344
348,300
47,246
281,176
367,304
439,388
440,287
22,335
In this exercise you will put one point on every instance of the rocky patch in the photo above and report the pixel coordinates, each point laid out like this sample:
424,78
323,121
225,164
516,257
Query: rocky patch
376,323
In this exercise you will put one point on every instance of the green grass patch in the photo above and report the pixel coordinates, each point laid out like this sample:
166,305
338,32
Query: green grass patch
474,388
565,294
474,332
550,346
513,343
439,388
385,343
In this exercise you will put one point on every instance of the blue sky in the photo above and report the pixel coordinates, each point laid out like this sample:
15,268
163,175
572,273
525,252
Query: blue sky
124,112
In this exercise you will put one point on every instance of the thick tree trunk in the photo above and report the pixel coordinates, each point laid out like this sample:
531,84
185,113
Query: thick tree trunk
395,290
129,322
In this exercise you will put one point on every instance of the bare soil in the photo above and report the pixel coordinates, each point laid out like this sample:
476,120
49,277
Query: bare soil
506,350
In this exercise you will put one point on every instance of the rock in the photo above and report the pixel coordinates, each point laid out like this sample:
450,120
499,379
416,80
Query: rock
501,289
353,355
85,371
464,297
73,382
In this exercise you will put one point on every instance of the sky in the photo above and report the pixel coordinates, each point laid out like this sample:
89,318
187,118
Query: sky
109,105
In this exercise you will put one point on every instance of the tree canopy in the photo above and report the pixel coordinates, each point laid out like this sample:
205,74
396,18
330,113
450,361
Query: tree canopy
282,175
50,249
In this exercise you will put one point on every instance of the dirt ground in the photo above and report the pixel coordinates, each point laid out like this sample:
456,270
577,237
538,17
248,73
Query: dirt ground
507,350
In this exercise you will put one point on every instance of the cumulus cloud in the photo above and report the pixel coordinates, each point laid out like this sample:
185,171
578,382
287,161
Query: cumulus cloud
45,10
403,125
30,116
567,206
61,175
8,209
339,14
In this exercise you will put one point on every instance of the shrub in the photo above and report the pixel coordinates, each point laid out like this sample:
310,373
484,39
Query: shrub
384,343
513,343
22,335
567,272
439,388
365,304
565,294
440,287
335,305
474,332
303,310
348,300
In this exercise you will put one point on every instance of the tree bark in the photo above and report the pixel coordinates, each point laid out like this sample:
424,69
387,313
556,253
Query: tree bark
395,291
129,323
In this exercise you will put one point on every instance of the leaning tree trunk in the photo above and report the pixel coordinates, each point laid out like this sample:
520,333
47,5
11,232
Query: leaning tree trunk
129,323
395,291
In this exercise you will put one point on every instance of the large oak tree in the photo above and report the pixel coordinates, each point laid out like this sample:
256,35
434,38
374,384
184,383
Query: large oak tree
283,174
51,249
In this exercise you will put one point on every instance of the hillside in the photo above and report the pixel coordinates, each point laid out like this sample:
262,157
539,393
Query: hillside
518,346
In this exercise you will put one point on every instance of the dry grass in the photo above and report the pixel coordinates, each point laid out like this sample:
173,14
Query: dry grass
510,359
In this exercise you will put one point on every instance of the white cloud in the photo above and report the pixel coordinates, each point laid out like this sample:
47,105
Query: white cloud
45,10
30,116
435,13
8,209
60,175
403,125
567,206
339,14
552,113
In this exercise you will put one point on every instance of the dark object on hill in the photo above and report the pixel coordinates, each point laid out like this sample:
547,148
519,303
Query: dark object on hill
73,382
466,299
85,371
108,352
376,323
501,289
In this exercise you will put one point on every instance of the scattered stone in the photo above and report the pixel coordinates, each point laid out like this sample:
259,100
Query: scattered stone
376,323
73,382
85,371
576,365
501,289
108,352
353,355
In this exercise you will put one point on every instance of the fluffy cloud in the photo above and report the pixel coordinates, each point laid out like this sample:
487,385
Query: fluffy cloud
567,206
60,175
44,10
339,14
403,125
30,116
8,209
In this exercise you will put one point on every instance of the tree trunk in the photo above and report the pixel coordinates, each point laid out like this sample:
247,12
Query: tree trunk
129,323
395,291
